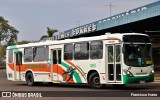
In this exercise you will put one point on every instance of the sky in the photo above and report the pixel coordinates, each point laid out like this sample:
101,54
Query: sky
32,17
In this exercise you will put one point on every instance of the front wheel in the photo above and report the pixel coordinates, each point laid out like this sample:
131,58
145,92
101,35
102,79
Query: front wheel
30,79
94,81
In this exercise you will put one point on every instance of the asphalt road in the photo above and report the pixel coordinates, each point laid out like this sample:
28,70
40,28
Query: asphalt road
6,85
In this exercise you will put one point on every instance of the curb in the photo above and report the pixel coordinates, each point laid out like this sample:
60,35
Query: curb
157,79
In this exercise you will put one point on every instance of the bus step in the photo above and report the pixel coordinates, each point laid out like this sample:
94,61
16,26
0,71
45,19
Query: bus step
56,81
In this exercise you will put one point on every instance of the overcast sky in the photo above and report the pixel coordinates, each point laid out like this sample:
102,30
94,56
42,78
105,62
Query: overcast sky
31,17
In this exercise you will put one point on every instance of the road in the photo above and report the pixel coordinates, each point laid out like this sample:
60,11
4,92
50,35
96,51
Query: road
6,85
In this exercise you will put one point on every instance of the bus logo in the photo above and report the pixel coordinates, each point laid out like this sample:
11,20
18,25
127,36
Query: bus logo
68,75
6,94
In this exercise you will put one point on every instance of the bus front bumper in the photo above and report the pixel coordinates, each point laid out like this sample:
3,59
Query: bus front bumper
137,79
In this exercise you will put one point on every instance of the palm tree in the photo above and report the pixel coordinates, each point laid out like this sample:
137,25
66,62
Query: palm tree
50,32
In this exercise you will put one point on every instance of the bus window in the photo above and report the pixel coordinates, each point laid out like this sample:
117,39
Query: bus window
40,54
46,54
28,54
54,57
59,56
137,55
96,50
10,56
110,54
117,53
68,52
81,51
19,58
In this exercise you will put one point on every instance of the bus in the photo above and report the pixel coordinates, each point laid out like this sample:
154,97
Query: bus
117,59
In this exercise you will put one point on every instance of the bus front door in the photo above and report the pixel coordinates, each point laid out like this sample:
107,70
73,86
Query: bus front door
114,63
56,59
17,65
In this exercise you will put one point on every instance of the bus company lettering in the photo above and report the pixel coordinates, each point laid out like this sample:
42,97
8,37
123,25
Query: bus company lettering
84,29
112,41
77,31
34,66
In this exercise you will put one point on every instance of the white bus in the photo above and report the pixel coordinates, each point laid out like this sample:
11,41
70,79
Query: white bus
116,59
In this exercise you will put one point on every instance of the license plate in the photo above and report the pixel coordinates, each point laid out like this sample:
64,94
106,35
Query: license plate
142,81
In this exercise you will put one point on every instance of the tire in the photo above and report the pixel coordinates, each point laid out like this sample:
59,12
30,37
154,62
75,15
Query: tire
118,85
94,81
30,79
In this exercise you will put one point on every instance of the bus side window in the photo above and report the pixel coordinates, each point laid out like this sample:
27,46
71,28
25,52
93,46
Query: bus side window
68,51
59,56
81,51
40,54
28,54
96,50
10,56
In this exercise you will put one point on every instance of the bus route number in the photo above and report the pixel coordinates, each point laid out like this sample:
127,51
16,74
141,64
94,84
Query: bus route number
93,65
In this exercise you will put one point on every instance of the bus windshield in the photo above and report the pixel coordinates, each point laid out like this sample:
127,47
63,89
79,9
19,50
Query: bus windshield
137,55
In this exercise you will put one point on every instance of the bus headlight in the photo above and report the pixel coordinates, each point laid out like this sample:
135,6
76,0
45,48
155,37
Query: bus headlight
152,72
128,73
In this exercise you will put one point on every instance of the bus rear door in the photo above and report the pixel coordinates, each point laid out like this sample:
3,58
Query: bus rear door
17,65
56,54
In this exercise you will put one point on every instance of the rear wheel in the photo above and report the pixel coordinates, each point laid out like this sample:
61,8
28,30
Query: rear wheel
94,81
30,79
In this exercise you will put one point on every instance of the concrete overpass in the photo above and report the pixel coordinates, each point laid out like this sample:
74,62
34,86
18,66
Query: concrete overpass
144,19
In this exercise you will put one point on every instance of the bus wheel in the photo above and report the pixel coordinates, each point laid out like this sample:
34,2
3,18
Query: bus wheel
94,81
30,79
118,85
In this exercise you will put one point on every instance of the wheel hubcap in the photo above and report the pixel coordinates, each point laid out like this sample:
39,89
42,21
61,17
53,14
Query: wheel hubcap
96,80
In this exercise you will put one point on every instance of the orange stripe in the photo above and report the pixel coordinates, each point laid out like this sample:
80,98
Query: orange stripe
56,69
23,68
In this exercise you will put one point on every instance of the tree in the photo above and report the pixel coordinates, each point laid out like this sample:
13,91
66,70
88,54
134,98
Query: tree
22,42
50,32
2,52
8,34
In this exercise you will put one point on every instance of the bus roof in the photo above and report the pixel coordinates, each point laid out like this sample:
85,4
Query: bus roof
49,42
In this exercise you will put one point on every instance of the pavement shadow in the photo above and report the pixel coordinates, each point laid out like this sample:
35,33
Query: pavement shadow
141,87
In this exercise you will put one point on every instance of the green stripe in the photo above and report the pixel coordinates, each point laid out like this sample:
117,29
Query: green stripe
15,49
64,64
75,74
137,79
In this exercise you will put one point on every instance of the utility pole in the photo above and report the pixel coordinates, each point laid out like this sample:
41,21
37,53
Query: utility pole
78,22
110,8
